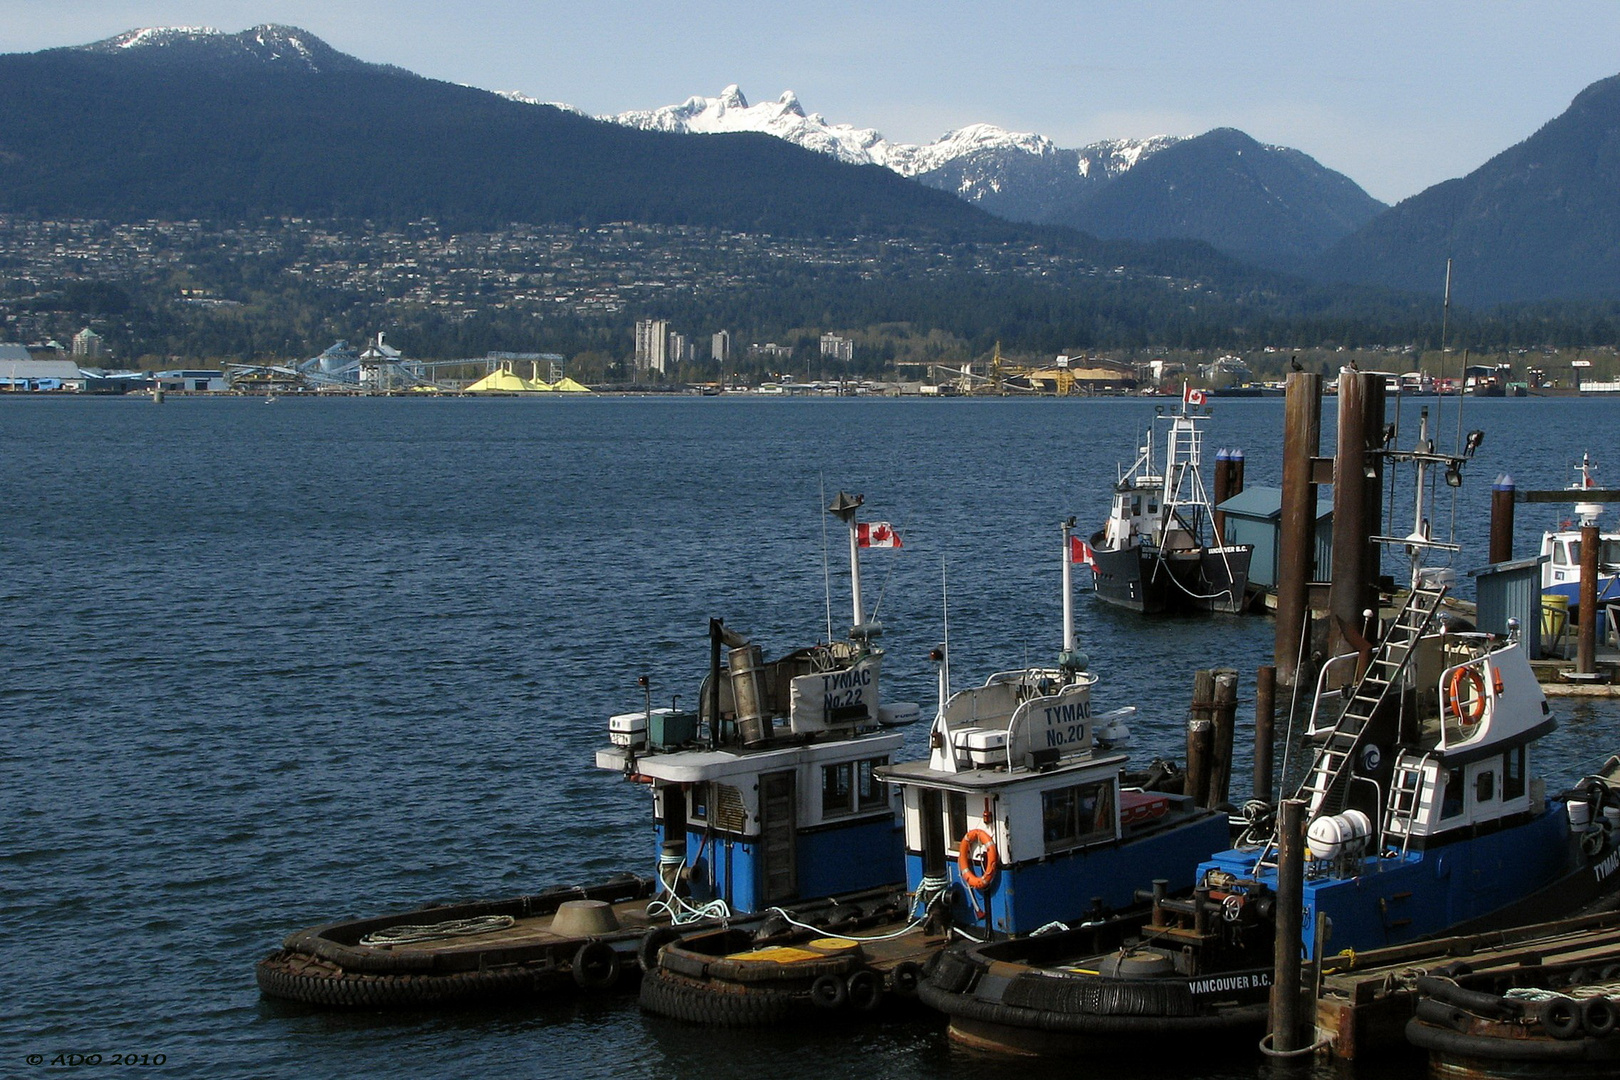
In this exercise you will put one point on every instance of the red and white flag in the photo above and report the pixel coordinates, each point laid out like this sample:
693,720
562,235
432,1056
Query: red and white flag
876,534
1189,396
1080,552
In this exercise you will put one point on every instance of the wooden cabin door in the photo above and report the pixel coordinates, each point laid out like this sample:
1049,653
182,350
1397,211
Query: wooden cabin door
779,877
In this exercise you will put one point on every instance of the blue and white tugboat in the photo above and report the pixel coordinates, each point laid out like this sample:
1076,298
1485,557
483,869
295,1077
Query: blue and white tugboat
1020,812
768,795
1561,547
1017,821
1427,815
1157,553
765,796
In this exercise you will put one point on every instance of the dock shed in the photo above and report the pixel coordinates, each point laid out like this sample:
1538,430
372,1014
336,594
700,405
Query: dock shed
1254,516
1511,590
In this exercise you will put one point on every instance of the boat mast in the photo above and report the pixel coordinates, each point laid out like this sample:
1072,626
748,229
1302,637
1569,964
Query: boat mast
844,507
1068,591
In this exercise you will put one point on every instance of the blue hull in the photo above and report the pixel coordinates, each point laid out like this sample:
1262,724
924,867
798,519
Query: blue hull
1426,893
827,862
1061,888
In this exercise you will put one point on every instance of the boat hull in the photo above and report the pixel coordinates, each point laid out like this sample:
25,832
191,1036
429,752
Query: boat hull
1194,580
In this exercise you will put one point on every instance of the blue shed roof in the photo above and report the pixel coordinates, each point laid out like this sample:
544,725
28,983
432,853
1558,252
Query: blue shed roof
1263,503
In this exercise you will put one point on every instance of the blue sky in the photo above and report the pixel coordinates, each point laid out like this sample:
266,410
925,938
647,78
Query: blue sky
1398,96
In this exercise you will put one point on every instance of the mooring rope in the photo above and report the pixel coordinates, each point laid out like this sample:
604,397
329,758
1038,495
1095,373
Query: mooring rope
411,933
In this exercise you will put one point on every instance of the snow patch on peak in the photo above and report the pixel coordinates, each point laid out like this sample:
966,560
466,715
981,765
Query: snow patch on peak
149,36
524,99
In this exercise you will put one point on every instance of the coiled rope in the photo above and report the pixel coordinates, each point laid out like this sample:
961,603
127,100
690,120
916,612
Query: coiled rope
411,933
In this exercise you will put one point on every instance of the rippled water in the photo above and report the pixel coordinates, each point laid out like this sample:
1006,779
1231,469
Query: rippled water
270,665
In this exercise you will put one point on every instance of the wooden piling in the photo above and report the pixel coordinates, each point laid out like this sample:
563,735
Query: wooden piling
1200,736
1502,493
1224,715
1223,491
1287,1000
1357,503
1265,718
1302,441
1586,640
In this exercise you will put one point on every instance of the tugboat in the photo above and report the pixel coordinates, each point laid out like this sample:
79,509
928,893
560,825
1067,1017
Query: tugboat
1155,554
750,815
1561,572
768,794
1017,822
1427,816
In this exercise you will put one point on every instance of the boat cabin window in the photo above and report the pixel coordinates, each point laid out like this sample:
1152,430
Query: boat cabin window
1153,505
1077,815
849,787
1452,803
1568,552
1513,774
1136,506
700,802
958,810
1485,786
1609,552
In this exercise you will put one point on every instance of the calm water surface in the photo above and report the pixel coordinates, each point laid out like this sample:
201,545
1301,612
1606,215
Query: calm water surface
270,665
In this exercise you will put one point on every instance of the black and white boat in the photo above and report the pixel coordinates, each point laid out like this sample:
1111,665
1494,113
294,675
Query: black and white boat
1157,553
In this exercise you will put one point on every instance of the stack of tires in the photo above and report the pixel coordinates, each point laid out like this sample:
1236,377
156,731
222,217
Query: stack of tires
1484,1033
697,982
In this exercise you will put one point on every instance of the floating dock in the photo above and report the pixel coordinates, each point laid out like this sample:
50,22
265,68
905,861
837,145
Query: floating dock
1365,999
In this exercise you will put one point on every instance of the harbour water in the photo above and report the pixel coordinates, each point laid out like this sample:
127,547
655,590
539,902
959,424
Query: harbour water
271,665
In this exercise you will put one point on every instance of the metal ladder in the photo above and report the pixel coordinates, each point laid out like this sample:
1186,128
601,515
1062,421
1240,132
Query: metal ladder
1326,785
1405,791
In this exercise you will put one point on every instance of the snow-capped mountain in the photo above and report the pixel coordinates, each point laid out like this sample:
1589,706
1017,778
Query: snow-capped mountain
786,119
272,44
1267,204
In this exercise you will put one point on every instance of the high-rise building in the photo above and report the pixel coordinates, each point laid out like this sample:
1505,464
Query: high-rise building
652,345
88,343
720,347
679,350
837,348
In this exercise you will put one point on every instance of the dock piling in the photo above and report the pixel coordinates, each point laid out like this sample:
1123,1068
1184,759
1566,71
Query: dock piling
1586,641
1502,495
1200,736
1287,1000
1357,504
1224,715
1265,718
1296,544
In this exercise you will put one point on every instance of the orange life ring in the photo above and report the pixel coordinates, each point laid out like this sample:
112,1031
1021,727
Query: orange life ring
964,859
1476,707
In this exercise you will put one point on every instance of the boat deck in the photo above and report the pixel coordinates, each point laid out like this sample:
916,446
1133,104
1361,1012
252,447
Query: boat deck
524,932
1365,999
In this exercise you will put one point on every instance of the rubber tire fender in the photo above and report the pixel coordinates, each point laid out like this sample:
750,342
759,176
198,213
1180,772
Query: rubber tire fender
905,977
829,992
596,966
653,941
1442,1015
1599,1017
864,990
1561,1017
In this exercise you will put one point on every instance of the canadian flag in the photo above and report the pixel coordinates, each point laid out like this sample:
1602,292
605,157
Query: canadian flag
876,534
1080,552
1190,396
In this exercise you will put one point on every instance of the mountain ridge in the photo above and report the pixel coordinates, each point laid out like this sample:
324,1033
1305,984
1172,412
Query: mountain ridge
1023,176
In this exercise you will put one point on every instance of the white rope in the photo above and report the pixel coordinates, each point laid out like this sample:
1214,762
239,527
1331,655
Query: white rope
908,928
680,912
930,891
411,933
